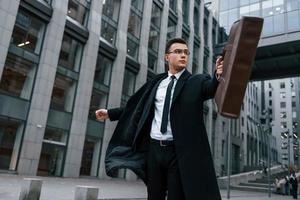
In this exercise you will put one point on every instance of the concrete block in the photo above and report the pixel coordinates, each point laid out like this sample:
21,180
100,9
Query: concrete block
31,189
86,193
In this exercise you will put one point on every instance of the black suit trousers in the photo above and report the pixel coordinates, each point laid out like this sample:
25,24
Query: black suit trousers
163,178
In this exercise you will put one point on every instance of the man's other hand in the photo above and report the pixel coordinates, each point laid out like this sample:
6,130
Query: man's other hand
101,114
219,66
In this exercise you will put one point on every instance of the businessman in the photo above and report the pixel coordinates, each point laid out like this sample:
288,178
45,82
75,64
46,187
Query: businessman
161,134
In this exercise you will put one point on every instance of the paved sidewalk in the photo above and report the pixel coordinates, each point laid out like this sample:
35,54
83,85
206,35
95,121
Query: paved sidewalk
64,189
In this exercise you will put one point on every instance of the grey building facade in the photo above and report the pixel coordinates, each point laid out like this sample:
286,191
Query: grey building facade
60,60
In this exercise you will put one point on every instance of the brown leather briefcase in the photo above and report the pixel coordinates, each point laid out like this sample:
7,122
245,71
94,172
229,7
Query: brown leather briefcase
238,56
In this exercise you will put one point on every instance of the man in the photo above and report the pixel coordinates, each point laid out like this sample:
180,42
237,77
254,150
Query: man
161,134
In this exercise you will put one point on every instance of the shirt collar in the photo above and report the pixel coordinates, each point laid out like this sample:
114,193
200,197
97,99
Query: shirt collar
177,75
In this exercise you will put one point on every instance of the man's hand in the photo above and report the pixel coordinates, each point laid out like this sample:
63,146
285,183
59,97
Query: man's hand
101,114
219,66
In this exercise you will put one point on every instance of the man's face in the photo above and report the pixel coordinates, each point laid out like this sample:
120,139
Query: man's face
177,56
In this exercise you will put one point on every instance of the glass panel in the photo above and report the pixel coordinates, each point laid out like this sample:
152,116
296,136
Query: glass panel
63,93
254,9
279,19
103,70
224,18
108,32
233,4
232,16
171,29
173,5
17,77
78,10
244,10
185,11
224,5
111,9
153,39
268,25
98,100
10,141
51,160
28,32
205,33
54,134
134,24
152,61
196,21
293,20
196,53
90,157
156,16
132,48
70,53
244,2
292,5
267,9
129,83
138,4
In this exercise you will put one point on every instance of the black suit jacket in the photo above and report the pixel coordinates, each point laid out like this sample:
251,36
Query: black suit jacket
128,145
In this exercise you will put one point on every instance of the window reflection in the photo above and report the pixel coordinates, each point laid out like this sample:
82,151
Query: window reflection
18,76
111,9
171,29
10,134
173,5
70,53
110,17
28,32
78,10
103,70
63,93
128,85
185,11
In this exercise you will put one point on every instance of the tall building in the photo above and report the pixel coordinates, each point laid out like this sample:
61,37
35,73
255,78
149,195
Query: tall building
283,102
281,28
60,60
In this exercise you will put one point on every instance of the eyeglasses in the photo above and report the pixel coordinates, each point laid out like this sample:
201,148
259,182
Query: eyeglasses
180,51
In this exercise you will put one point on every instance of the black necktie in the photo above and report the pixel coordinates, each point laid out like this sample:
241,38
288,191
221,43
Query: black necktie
164,120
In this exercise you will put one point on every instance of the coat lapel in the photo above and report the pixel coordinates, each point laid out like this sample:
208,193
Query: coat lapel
180,83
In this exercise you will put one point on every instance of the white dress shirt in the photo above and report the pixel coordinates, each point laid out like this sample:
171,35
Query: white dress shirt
159,106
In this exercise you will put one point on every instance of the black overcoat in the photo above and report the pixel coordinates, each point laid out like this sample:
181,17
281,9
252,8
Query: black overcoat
128,145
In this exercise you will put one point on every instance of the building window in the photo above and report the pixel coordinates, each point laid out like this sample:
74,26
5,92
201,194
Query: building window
205,32
63,93
10,136
293,21
128,85
171,32
70,53
17,77
270,93
282,105
293,94
293,104
79,10
134,28
185,11
53,152
196,56
173,5
154,34
294,114
196,21
282,85
270,102
282,115
282,95
283,125
103,70
110,18
28,32
205,64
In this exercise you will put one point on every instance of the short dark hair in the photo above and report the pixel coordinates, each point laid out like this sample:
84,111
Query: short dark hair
174,40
